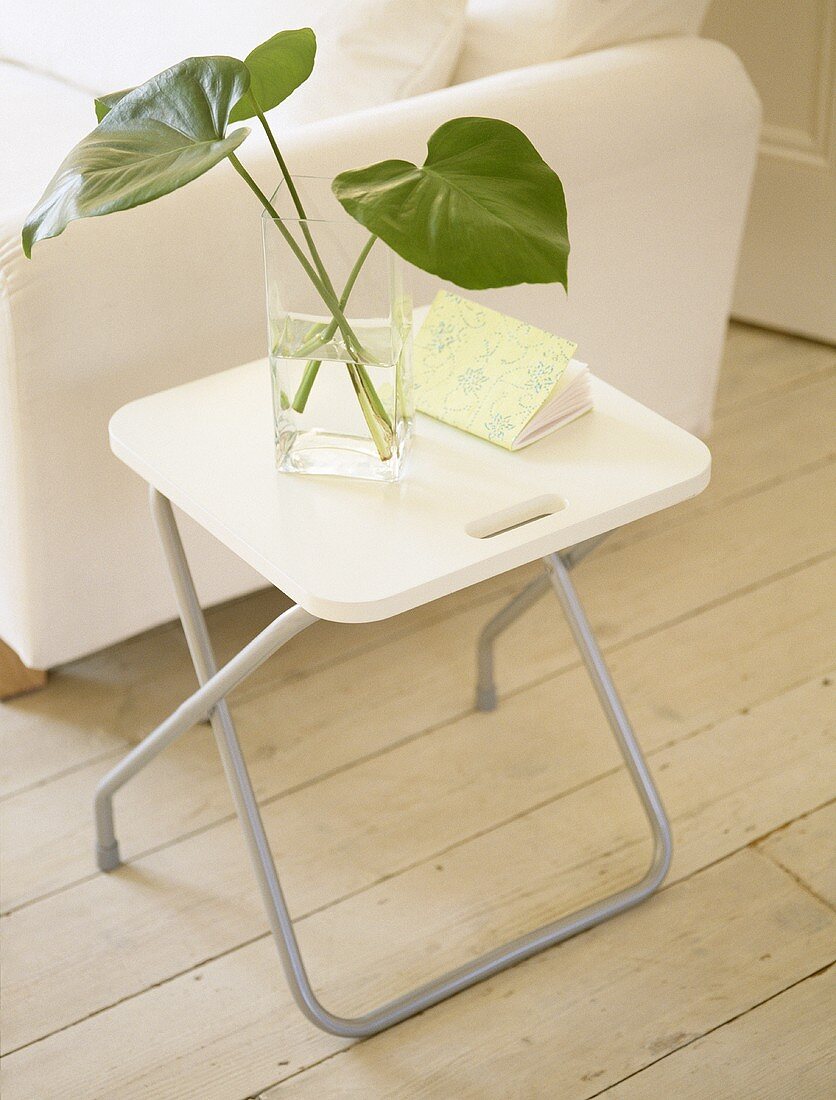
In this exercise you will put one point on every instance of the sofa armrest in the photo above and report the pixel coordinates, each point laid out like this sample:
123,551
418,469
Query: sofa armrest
652,139
655,143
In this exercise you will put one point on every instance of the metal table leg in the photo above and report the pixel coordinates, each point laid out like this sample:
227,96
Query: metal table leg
209,698
508,615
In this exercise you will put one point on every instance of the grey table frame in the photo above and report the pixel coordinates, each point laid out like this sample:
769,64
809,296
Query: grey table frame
209,700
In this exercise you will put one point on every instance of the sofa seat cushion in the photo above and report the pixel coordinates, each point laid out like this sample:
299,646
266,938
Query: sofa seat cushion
511,34
369,52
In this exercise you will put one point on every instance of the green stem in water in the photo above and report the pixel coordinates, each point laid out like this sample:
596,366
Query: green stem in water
317,339
377,404
300,399
380,429
324,337
303,222
311,341
309,377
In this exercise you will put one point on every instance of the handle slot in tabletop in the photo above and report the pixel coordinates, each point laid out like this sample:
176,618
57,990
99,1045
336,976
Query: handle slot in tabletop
528,511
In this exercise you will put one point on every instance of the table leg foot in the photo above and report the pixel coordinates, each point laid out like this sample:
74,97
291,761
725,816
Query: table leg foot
107,856
486,697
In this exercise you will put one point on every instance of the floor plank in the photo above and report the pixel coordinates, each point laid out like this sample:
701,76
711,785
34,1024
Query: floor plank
807,849
782,1048
178,907
753,446
99,705
664,578
110,700
758,363
676,967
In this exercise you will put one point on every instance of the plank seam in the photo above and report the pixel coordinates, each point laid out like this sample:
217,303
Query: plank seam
108,754
822,970
821,373
797,879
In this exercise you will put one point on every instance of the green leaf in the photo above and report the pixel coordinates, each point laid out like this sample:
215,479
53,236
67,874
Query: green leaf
158,137
484,210
277,68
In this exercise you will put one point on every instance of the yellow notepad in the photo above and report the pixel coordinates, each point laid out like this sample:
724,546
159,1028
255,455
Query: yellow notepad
495,377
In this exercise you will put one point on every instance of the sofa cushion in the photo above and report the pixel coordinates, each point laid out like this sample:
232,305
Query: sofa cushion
40,120
511,34
369,51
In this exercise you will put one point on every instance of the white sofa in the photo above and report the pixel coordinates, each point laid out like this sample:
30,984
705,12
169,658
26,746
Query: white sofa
655,141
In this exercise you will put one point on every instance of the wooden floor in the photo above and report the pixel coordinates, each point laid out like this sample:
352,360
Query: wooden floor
412,833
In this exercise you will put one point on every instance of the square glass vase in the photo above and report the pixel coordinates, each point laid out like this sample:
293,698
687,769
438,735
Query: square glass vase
340,342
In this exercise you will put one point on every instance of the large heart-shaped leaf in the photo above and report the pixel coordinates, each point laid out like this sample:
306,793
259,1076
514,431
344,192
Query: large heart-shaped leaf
157,138
484,210
277,68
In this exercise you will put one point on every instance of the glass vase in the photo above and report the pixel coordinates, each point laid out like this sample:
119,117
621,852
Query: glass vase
340,353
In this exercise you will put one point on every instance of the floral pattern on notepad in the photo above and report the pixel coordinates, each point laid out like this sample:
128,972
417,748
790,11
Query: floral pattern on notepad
497,426
541,377
472,380
482,371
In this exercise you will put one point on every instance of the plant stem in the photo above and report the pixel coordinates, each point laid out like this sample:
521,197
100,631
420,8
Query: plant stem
300,399
324,337
328,295
374,413
303,222
377,404
355,271
380,429
282,228
312,369
294,194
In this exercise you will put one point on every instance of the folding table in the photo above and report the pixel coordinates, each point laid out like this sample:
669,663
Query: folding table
353,552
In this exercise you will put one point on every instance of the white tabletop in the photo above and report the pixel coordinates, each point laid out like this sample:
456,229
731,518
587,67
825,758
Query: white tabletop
355,551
